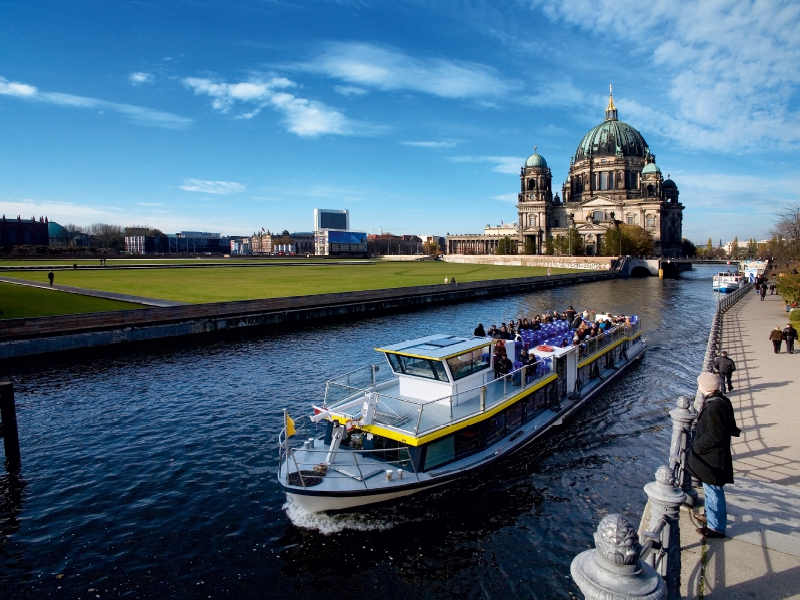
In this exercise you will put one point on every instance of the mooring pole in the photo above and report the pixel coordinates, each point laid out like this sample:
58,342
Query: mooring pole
8,415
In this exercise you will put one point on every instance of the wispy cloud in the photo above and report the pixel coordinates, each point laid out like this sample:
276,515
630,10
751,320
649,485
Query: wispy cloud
730,68
140,78
58,211
502,164
306,118
212,187
449,144
385,68
349,90
135,114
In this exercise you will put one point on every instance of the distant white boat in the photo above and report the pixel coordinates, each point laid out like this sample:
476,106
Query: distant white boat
728,282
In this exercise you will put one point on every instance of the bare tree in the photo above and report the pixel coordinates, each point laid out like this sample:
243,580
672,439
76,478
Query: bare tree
105,235
786,235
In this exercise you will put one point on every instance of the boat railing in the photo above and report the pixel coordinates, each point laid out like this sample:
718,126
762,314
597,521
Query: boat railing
598,343
358,380
306,466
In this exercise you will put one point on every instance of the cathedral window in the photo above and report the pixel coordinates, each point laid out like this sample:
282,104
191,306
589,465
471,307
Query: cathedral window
650,221
598,215
603,181
27,236
631,220
531,184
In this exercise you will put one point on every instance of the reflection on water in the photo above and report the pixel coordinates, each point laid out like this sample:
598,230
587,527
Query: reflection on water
150,473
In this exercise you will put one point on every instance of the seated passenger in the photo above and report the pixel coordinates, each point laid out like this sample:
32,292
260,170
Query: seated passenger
524,324
479,331
576,322
503,366
504,334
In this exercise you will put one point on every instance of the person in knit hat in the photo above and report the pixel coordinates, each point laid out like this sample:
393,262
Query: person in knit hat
710,455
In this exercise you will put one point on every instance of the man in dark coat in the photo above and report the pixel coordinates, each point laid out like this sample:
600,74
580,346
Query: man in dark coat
790,335
725,367
710,455
776,337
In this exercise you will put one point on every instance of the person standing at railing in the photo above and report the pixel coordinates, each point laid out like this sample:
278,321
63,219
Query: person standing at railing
709,457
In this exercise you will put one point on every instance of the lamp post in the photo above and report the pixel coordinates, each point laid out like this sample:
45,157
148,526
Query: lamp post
541,233
571,224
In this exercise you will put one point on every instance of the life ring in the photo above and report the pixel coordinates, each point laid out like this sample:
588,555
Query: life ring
545,348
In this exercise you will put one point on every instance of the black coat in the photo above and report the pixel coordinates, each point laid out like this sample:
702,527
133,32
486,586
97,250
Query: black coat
710,455
724,365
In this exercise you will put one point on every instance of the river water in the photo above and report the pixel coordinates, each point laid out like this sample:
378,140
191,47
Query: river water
149,472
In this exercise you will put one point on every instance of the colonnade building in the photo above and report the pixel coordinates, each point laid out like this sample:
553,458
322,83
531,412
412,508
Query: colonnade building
613,178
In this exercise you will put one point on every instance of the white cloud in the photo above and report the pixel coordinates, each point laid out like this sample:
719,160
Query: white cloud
60,212
140,78
503,164
306,118
450,144
556,93
729,68
136,114
389,69
212,187
349,90
506,198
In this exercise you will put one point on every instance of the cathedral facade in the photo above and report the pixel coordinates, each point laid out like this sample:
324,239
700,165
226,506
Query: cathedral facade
613,178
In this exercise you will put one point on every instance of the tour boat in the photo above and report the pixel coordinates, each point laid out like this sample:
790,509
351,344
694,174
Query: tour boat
434,411
727,281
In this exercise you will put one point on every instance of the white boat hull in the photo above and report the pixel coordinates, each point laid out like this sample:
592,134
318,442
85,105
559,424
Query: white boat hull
313,504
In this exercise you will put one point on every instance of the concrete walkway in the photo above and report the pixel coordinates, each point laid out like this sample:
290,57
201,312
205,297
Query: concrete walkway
761,556
94,293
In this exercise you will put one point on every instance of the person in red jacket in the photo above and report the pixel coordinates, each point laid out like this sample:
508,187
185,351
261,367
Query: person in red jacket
710,457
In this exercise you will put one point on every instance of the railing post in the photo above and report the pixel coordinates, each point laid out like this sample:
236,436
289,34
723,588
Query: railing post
483,398
665,501
683,417
613,568
8,416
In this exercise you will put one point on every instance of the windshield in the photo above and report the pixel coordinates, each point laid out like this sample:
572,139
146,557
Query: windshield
417,367
468,363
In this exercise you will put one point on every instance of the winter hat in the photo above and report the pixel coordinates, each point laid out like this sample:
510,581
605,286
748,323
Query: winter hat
708,382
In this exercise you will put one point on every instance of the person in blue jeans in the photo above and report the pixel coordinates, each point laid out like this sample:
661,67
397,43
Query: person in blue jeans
710,457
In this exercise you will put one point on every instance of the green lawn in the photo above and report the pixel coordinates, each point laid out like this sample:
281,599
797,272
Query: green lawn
18,301
246,283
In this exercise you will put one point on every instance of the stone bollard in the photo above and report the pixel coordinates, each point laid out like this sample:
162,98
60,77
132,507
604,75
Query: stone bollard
683,418
665,501
613,569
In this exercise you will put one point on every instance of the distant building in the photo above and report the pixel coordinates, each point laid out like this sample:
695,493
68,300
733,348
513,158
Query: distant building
325,218
304,242
331,242
261,242
197,242
19,232
146,244
485,243
241,246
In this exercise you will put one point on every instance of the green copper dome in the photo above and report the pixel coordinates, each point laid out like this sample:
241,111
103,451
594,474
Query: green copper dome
611,138
650,168
535,160
54,230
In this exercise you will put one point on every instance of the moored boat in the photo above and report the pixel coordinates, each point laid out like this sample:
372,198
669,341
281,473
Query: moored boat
439,412
725,282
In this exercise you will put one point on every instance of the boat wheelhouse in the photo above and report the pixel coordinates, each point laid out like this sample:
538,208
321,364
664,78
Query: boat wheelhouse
729,281
436,411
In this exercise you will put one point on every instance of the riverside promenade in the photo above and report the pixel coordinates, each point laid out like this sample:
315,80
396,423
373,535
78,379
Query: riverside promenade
760,558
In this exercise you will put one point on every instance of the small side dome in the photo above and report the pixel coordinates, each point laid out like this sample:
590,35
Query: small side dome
54,230
650,168
536,160
668,183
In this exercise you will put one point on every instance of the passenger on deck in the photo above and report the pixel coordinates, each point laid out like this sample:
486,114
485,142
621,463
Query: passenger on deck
502,366
504,333
570,314
479,331
564,343
524,324
576,322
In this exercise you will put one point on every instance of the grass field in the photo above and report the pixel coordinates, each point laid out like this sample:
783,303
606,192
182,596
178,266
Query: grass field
246,283
18,301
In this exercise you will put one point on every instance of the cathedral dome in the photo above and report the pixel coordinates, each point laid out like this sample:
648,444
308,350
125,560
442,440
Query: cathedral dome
535,160
651,168
668,183
54,230
611,138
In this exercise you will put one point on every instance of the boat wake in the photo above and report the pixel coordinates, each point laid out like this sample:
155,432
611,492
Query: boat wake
329,524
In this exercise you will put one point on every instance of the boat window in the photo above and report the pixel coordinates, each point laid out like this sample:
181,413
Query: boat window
418,367
440,452
514,417
468,440
495,428
535,403
468,363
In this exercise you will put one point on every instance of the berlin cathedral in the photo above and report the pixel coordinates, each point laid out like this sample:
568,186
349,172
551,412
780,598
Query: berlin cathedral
613,177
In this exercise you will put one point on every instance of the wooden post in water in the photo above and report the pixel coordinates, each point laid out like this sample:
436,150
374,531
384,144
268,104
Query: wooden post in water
8,415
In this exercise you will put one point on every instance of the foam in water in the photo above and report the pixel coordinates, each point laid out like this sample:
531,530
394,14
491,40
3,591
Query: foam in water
329,524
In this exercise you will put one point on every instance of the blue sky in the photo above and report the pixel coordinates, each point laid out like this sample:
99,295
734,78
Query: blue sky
416,116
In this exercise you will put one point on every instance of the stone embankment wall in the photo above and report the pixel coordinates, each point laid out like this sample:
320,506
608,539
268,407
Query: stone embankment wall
24,337
594,263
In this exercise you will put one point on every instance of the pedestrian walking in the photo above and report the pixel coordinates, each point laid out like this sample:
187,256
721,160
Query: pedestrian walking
452,280
549,271
724,367
710,455
776,337
771,289
446,279
51,276
763,291
790,335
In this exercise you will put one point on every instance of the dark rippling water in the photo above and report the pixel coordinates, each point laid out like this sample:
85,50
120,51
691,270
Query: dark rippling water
150,473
